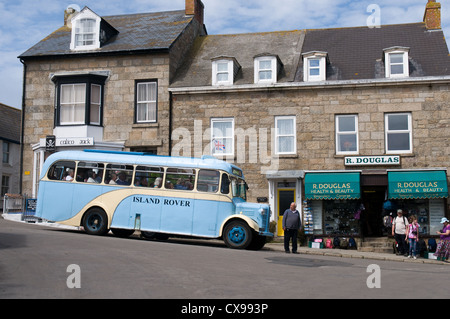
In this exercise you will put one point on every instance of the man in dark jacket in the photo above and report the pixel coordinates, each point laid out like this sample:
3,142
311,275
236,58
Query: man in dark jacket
291,226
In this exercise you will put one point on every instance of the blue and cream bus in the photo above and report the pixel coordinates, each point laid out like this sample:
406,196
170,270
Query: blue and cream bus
158,195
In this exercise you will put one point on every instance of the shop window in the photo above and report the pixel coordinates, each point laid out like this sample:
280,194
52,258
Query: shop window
285,135
347,134
398,132
222,136
146,105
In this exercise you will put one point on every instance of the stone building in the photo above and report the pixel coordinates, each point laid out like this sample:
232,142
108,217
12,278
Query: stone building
102,83
10,119
351,123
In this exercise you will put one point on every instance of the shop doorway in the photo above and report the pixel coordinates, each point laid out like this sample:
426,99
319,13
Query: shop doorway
284,199
372,217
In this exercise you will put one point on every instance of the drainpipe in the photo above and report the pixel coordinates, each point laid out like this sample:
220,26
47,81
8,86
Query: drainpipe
23,125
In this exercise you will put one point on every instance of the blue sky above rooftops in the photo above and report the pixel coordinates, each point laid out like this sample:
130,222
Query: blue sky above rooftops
23,23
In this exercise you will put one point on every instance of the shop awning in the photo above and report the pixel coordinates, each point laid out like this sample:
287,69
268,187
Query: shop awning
320,186
417,185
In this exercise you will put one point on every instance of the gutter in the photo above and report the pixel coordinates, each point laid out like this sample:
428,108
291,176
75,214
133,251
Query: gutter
341,84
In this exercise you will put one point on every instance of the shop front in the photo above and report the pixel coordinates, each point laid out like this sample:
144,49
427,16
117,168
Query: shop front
421,193
332,202
355,203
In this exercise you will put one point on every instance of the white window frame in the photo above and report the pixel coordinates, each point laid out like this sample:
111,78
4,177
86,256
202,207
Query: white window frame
388,63
71,105
307,58
216,71
293,134
85,14
339,134
148,103
390,132
273,68
228,135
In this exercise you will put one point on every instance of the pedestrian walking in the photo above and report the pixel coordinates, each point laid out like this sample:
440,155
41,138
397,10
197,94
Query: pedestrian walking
291,226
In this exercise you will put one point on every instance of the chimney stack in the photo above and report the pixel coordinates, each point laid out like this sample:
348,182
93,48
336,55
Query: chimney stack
195,8
432,16
68,14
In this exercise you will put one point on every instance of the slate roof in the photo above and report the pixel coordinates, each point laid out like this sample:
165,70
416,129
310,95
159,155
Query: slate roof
197,69
354,53
137,32
357,53
10,123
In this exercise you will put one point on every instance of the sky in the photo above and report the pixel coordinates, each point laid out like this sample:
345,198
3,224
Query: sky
23,23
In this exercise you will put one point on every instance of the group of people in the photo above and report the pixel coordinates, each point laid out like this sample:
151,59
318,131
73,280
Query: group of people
405,231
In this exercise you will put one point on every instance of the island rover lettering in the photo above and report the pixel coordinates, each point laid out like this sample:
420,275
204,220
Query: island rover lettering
157,201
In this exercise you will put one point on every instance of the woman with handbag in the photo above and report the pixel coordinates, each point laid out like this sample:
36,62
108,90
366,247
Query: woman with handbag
412,233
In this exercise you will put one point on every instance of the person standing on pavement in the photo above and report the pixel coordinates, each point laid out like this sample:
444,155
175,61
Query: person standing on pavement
413,236
443,248
399,226
291,226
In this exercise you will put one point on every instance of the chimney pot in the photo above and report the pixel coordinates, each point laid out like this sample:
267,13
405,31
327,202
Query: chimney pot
432,16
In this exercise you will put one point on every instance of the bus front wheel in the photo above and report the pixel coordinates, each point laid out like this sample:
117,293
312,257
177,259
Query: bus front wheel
95,222
238,235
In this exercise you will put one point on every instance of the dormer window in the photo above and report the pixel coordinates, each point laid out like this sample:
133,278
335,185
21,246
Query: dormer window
266,69
224,70
85,30
396,62
314,66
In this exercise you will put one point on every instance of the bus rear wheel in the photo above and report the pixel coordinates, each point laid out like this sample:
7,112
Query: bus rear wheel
237,235
95,222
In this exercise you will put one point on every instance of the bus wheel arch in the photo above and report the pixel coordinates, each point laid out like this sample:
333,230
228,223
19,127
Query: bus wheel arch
95,221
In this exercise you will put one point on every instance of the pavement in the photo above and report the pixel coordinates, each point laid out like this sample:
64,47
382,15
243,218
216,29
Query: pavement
278,246
351,253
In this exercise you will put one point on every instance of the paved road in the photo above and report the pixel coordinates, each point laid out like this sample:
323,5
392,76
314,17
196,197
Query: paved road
34,263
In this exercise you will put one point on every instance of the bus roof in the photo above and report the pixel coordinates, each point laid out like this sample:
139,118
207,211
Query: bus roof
138,158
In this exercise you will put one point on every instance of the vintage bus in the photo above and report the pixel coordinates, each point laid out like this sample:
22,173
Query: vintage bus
157,195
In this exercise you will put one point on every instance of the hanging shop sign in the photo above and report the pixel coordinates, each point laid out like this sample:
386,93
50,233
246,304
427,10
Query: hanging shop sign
372,160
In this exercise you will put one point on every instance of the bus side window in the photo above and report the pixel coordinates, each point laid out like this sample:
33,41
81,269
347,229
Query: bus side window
225,187
208,181
180,178
149,176
119,174
62,171
89,172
